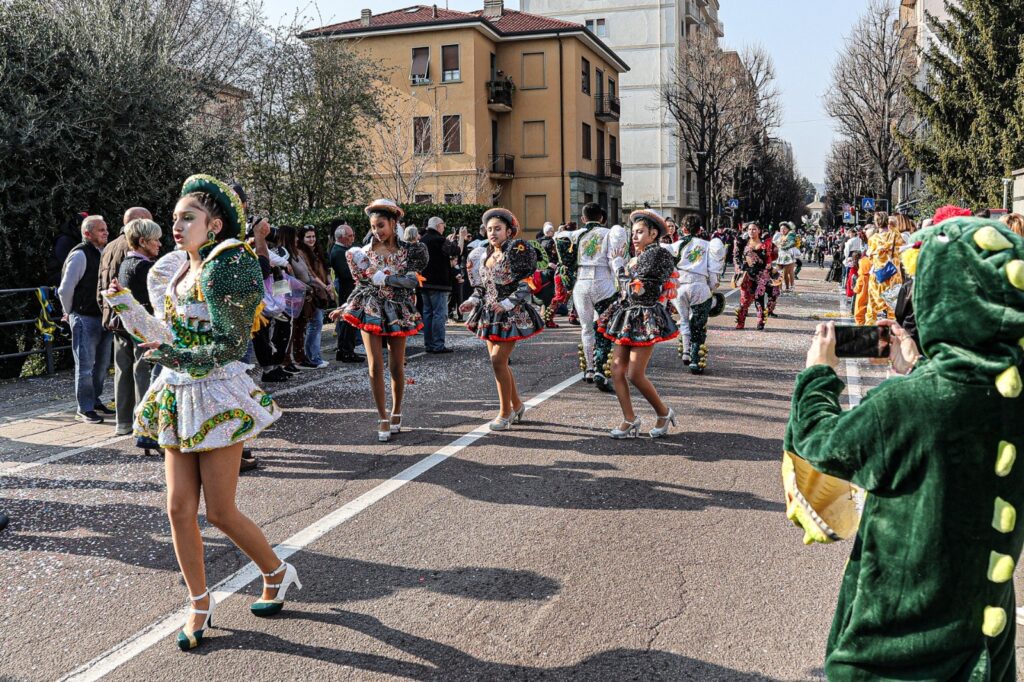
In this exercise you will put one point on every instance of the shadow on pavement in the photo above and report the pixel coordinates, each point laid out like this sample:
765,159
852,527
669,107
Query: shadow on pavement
445,662
333,580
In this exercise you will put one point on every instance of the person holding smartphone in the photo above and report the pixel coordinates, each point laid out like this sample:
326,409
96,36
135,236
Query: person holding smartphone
935,449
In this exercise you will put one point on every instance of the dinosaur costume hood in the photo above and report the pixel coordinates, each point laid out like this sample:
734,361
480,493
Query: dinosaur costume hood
969,301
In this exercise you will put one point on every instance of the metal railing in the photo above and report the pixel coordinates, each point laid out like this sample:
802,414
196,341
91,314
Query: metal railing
499,95
503,165
612,169
607,107
48,348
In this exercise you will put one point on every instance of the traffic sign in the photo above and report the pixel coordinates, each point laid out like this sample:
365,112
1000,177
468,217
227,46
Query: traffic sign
867,204
733,204
847,217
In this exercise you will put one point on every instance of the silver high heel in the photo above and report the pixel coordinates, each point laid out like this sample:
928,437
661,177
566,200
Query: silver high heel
659,431
272,607
500,424
396,428
383,435
517,415
190,639
632,431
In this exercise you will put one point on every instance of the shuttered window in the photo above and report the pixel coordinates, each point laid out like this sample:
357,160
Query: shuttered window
450,63
452,131
420,65
421,135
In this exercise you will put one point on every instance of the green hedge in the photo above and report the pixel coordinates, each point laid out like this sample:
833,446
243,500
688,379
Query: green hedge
454,215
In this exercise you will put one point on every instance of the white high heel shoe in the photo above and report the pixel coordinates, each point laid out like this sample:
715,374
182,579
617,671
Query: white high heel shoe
500,424
517,415
631,431
396,428
383,434
272,607
659,431
190,639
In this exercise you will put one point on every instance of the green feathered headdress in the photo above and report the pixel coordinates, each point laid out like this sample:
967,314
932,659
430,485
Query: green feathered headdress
969,300
226,197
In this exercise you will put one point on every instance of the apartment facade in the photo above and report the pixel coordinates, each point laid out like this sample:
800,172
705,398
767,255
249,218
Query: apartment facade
526,102
650,35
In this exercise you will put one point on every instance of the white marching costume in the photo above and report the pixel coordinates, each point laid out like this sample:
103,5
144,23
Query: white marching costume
699,265
591,256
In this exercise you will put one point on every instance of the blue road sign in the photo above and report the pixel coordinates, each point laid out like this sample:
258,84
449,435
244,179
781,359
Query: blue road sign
847,217
867,204
733,204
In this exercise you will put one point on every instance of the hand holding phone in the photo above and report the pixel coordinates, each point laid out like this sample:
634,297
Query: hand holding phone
856,341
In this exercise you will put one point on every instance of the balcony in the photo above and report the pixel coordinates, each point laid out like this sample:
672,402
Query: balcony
609,168
499,96
606,108
502,166
691,12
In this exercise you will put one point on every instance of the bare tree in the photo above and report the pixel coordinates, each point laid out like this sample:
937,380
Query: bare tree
402,145
867,97
725,105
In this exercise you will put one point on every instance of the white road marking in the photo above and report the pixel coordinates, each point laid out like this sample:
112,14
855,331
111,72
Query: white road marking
165,627
56,457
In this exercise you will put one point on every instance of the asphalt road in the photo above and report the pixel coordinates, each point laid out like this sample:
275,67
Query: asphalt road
549,552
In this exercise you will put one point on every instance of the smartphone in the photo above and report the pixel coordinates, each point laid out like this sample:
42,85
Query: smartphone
856,341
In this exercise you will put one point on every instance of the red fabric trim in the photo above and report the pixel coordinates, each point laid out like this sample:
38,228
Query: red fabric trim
635,344
376,329
500,339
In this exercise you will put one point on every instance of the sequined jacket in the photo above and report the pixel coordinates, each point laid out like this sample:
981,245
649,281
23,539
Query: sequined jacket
399,281
505,281
643,278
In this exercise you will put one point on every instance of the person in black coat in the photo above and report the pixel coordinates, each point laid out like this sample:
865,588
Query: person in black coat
436,285
344,237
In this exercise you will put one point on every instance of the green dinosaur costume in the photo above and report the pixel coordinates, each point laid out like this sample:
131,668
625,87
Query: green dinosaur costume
928,589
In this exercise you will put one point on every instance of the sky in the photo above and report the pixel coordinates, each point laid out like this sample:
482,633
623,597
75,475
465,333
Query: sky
802,36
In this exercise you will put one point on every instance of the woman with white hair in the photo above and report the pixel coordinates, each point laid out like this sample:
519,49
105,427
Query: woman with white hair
411,235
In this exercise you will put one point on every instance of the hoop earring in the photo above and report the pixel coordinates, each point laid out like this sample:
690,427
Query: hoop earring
211,235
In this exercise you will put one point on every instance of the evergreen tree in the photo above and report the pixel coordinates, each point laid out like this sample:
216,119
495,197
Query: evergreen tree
973,132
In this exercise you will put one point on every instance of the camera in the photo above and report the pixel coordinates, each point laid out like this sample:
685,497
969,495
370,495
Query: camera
255,220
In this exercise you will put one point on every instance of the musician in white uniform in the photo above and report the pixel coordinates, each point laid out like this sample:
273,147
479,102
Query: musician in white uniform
700,264
590,257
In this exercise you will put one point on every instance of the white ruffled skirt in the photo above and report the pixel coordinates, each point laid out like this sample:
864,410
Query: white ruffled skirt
193,414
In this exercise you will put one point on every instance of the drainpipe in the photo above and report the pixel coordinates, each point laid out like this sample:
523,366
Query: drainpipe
561,122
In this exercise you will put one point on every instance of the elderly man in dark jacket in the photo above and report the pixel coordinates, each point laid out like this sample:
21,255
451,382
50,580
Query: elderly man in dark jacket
437,285
343,285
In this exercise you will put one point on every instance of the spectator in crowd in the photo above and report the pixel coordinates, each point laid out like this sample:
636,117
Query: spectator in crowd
319,296
457,278
90,342
287,249
125,352
852,248
69,235
436,285
411,234
1014,221
344,237
143,237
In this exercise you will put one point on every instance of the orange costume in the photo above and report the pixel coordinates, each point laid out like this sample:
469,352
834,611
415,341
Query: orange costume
882,247
860,303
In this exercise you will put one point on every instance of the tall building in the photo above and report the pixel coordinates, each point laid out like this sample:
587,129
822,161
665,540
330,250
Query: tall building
527,103
650,35
918,37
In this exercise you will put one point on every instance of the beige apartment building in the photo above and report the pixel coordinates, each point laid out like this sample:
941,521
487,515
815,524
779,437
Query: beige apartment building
496,107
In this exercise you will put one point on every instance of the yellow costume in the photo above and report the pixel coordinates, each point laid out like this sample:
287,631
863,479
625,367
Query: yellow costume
882,247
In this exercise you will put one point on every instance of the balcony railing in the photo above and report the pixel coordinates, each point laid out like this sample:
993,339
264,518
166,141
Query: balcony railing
499,95
503,166
607,108
609,169
691,12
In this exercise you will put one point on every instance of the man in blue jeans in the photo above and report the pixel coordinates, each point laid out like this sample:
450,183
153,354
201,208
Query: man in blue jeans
91,344
437,285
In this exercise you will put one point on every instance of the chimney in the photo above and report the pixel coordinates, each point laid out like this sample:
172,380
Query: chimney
493,9
364,18
433,12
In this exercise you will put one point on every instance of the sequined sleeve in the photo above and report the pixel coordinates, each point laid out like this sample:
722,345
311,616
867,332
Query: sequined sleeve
232,286
137,321
566,250
522,261
416,261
